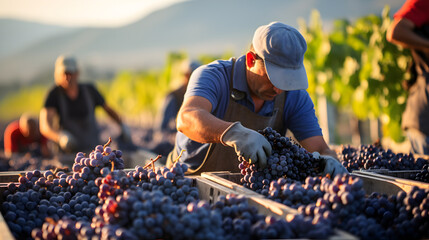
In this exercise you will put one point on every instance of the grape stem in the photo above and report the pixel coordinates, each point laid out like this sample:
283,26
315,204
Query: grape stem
180,155
108,143
152,161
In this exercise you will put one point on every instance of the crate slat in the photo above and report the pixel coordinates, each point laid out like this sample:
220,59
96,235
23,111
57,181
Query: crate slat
210,191
5,233
404,184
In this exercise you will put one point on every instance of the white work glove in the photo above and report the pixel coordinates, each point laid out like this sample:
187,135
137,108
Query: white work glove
249,144
125,133
67,141
332,167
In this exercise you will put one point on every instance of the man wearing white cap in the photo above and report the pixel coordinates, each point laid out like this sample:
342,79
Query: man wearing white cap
73,104
227,101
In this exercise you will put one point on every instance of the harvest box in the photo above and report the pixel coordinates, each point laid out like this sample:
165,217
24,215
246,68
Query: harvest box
371,182
209,191
396,178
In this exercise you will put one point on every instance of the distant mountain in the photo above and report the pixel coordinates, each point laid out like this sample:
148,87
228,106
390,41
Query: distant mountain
16,34
196,27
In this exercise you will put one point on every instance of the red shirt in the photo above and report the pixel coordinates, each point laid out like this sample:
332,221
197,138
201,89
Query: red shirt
14,141
417,11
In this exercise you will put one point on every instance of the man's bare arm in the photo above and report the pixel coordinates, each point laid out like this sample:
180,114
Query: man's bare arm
401,32
195,121
47,118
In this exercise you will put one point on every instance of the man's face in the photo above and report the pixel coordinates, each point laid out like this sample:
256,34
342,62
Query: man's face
67,79
259,84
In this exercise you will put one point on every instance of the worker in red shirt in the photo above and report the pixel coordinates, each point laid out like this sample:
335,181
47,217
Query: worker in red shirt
23,137
410,29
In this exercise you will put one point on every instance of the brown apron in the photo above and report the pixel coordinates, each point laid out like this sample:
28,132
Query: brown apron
85,130
224,158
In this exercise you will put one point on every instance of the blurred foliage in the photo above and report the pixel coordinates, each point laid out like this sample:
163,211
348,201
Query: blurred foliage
29,100
353,66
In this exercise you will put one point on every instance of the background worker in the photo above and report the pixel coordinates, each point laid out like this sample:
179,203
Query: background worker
174,99
22,136
410,29
165,130
68,116
227,101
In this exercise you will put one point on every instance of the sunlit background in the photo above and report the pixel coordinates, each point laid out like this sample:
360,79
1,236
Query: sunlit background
131,50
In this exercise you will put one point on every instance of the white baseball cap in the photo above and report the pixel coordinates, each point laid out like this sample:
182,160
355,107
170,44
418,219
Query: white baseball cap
66,64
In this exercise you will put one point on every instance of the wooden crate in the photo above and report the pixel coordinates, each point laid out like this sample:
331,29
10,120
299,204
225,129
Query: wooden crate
10,176
5,233
266,206
210,192
371,182
382,180
398,174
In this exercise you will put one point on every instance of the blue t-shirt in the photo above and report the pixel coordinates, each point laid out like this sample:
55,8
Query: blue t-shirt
212,82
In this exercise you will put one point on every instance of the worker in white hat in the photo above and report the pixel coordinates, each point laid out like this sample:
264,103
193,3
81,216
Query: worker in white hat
68,115
227,101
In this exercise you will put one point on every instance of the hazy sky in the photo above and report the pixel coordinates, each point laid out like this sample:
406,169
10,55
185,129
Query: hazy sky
108,13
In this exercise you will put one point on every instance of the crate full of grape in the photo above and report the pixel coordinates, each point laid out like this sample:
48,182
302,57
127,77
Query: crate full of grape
347,201
352,202
99,199
375,158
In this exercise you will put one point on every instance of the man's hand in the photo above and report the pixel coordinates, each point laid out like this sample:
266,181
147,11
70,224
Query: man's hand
332,166
67,141
247,143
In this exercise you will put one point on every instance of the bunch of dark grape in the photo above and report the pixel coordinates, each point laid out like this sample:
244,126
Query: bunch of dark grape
343,198
375,157
237,216
365,228
64,228
423,175
56,194
153,215
404,215
27,205
147,214
295,194
99,161
171,182
288,160
242,221
342,202
198,221
295,226
113,184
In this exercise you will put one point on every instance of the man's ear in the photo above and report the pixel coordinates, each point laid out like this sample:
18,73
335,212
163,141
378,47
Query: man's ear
250,59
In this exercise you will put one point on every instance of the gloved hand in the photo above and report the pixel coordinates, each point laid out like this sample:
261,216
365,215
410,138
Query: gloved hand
67,141
249,144
332,166
125,133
